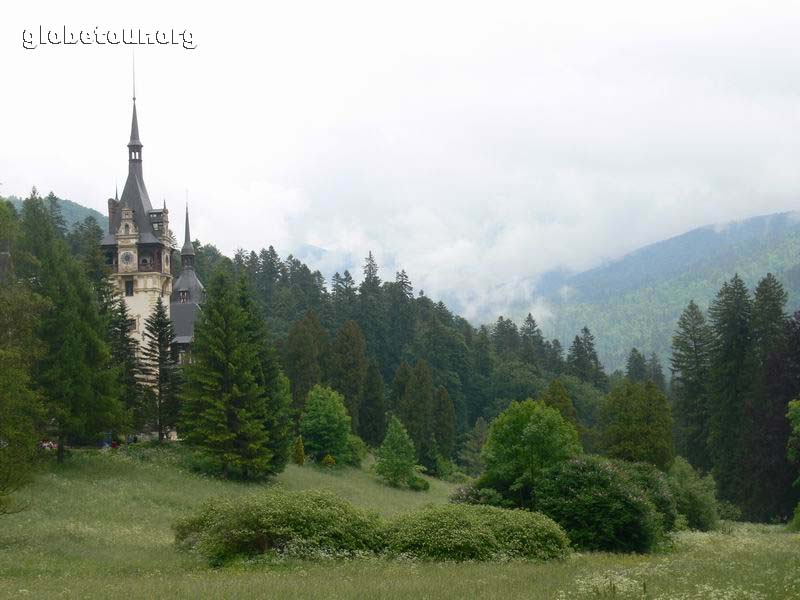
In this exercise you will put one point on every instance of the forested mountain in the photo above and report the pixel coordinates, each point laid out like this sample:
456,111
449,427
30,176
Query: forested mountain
635,301
71,211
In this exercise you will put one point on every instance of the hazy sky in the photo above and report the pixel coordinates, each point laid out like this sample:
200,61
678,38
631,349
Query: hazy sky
475,145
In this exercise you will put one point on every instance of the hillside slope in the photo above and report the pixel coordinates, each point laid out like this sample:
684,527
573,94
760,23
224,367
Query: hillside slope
637,300
72,212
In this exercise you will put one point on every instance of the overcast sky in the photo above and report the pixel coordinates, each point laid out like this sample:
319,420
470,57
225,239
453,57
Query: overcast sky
475,145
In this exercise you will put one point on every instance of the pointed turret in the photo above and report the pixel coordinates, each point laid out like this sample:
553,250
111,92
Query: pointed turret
135,144
188,248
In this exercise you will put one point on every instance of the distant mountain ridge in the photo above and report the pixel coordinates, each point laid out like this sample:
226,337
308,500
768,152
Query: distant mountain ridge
636,300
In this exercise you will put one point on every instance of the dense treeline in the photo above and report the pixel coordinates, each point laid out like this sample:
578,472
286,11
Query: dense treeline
278,354
735,373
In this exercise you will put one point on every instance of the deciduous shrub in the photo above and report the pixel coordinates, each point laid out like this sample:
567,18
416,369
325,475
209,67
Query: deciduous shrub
695,496
298,451
462,532
325,424
654,484
355,451
471,494
277,520
599,506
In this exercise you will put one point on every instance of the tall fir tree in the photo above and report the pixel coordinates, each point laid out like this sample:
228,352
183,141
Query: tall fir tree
532,345
160,368
444,422
271,378
655,372
768,493
224,406
125,356
402,377
692,347
349,367
636,367
372,416
415,412
74,372
733,374
304,352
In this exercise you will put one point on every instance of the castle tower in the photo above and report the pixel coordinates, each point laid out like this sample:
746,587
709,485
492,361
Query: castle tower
187,295
137,245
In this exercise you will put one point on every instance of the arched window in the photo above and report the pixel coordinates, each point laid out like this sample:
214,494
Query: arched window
127,229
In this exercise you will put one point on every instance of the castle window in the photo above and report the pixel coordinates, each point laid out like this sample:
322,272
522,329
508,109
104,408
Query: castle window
127,229
183,296
129,287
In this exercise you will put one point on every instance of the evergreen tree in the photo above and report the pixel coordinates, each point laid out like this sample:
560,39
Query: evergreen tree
415,412
636,368
74,372
305,347
470,455
578,363
655,373
733,374
160,367
224,406
325,424
444,425
396,457
532,345
298,451
349,367
270,377
402,377
124,354
637,424
691,364
768,492
372,421
372,311
505,337
557,397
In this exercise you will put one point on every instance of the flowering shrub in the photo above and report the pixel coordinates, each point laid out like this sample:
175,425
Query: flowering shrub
463,532
278,521
655,485
695,496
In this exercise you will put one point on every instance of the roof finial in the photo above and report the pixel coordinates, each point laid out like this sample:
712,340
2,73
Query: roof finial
188,248
116,192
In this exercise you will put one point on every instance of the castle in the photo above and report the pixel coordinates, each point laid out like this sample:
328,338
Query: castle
138,249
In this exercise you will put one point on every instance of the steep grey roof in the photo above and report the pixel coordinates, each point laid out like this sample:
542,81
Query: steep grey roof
134,194
187,281
183,317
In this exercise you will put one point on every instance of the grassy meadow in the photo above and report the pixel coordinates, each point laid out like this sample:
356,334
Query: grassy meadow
100,526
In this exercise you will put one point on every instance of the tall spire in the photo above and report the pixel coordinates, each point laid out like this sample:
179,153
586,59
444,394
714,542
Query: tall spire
135,145
188,248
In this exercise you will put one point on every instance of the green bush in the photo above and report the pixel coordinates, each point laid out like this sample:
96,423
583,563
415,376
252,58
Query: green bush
599,506
325,424
655,485
397,459
418,484
277,520
355,452
695,496
461,532
471,494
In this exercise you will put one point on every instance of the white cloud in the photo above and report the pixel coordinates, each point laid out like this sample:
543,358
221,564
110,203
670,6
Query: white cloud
477,147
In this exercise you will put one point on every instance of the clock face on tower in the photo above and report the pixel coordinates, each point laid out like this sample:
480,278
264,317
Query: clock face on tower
126,258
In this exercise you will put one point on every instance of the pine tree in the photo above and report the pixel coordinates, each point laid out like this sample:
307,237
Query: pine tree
402,377
124,354
532,345
470,455
396,457
224,407
691,364
636,368
557,397
444,423
733,374
655,373
415,412
160,368
269,376
305,346
349,367
768,493
372,422
74,371
637,424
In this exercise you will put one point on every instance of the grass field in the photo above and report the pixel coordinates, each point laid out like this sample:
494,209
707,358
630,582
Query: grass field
99,526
